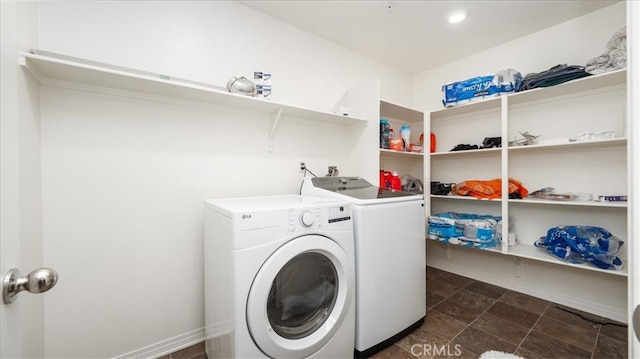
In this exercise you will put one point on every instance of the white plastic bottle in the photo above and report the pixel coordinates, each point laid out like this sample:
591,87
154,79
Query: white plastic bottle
405,133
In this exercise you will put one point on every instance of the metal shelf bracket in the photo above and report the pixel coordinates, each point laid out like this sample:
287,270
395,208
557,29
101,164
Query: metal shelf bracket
518,266
272,130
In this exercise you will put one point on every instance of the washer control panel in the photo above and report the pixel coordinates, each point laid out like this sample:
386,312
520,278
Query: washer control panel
317,217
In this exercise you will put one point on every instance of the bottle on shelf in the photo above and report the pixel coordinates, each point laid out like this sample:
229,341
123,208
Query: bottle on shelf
384,133
405,133
396,182
385,177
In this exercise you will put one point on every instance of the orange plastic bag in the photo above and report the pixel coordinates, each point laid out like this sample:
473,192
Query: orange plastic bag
489,189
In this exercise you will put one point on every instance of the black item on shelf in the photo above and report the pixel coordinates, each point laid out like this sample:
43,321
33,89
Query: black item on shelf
491,142
551,77
515,195
442,189
464,147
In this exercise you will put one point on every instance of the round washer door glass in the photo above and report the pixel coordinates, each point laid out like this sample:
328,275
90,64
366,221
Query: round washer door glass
302,295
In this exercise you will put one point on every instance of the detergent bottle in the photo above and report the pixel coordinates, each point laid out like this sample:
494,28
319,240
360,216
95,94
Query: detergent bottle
385,179
396,182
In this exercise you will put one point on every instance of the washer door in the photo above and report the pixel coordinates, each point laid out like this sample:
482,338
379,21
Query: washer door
299,297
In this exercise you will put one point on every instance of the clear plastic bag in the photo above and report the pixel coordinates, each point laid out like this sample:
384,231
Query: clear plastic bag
583,244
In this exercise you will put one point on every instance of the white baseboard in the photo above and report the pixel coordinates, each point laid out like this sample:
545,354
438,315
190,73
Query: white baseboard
167,346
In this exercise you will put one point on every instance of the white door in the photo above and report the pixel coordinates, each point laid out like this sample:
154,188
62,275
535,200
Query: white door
633,93
21,322
10,318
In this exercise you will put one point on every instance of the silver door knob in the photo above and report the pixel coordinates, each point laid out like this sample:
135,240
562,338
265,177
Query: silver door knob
38,281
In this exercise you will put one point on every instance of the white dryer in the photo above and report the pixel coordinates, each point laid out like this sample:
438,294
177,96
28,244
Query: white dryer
389,228
279,278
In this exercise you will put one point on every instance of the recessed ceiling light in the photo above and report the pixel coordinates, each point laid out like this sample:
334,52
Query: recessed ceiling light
457,17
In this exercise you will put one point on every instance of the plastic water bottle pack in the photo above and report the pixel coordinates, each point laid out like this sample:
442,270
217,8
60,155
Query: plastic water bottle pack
583,244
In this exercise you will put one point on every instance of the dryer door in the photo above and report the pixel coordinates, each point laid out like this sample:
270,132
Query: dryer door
299,297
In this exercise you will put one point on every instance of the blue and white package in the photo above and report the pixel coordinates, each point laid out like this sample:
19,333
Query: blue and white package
480,87
467,229
583,244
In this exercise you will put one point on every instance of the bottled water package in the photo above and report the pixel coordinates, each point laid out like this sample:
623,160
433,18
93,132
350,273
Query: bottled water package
583,244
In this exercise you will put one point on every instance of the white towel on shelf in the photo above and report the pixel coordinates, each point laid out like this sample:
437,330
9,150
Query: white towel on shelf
614,58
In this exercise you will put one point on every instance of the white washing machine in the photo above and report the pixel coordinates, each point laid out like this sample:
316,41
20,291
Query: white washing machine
389,228
279,278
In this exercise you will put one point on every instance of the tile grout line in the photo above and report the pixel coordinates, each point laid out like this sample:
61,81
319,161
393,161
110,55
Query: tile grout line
485,311
452,294
476,318
595,344
533,326
444,299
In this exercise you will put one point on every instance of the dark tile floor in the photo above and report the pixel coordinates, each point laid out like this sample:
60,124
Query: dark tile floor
465,318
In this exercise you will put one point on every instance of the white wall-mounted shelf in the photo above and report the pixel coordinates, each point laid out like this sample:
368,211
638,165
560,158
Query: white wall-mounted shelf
537,254
392,153
534,253
535,201
63,71
464,153
580,86
550,202
588,104
464,198
608,143
600,144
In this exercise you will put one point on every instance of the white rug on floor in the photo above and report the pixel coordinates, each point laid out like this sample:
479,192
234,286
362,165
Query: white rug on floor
494,354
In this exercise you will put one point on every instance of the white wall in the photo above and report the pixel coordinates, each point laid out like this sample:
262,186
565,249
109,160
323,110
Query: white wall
573,43
210,41
123,179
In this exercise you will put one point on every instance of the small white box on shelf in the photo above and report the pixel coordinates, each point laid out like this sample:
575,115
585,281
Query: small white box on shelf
263,84
595,136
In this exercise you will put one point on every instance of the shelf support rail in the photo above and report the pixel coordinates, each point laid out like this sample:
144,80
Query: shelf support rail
504,161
